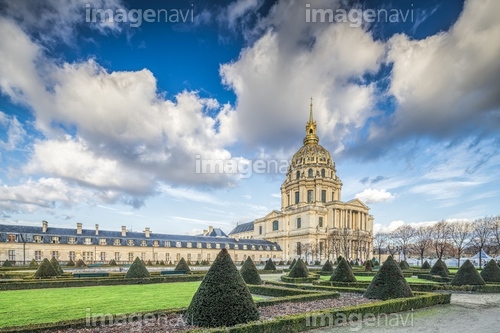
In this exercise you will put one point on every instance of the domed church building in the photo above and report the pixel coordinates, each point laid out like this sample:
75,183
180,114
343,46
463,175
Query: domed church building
314,223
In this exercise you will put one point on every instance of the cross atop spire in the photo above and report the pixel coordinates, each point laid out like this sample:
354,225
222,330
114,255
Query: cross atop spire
311,137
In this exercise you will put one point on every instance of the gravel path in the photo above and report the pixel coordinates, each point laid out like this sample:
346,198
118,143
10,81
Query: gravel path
174,323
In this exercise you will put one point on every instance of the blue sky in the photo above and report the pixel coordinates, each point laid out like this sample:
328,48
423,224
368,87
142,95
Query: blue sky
102,122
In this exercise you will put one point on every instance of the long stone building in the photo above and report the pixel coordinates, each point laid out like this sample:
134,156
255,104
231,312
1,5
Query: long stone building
313,221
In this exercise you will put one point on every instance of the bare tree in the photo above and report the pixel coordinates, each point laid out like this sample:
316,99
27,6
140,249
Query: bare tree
440,238
403,235
460,234
334,243
345,242
380,241
481,234
496,234
392,244
422,240
307,249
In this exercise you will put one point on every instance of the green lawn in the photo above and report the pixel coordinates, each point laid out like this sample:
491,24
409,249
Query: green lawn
23,307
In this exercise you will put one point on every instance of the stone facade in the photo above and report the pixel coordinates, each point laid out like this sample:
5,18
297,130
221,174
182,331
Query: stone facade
313,221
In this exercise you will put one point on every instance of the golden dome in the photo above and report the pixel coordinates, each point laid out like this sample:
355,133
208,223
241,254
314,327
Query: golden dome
311,154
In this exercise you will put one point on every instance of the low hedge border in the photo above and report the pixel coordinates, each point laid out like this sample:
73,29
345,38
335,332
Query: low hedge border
278,291
263,271
316,287
309,279
302,322
435,278
54,283
427,287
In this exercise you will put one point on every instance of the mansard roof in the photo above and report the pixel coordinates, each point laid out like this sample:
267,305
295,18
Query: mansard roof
30,231
244,227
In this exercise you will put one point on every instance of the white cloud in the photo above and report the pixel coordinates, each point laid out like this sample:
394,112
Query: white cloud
14,130
293,61
370,196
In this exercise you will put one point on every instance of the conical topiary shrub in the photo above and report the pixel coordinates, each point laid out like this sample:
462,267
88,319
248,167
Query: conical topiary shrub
80,263
439,269
162,263
249,272
446,267
149,263
327,267
343,272
223,298
426,265
467,275
388,283
57,267
112,262
70,263
491,272
270,266
45,270
7,263
33,263
368,266
292,264
404,265
299,270
137,270
182,266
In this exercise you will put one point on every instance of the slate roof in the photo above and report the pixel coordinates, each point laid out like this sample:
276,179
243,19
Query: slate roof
64,233
244,227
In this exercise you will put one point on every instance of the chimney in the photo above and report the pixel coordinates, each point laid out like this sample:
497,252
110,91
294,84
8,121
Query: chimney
210,229
124,231
97,229
147,232
78,228
205,232
45,225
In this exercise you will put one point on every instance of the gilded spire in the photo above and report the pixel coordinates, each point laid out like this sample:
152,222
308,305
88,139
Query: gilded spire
311,137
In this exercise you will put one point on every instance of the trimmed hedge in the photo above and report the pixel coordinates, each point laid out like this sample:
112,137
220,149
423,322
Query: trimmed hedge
56,266
299,270
249,272
343,272
308,279
491,272
80,263
45,270
426,265
33,263
182,266
368,266
90,282
404,265
292,264
137,270
223,298
439,268
388,283
270,266
467,275
327,267
70,263
7,263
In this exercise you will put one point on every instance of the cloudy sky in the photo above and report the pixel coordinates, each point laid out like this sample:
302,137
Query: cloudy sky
104,122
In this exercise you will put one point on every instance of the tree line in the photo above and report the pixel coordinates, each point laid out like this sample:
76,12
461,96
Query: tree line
442,239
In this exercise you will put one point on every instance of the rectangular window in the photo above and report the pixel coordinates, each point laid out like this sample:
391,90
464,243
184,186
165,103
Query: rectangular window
156,243
102,241
189,244
131,256
167,244
12,255
199,256
103,256
297,197
88,241
189,257
260,230
37,239
72,240
299,249
130,242
236,246
55,254
143,256
310,196
88,256
117,242
209,245
208,257
177,244
320,222
217,246
178,257
143,243
167,258
198,245
12,238
236,256
72,255
117,256
155,257
323,196
55,240
299,222
38,255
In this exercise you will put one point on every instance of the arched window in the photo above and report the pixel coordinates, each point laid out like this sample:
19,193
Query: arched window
310,173
298,174
311,131
275,225
323,173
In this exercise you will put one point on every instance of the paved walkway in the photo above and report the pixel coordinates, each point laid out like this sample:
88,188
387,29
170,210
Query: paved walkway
467,313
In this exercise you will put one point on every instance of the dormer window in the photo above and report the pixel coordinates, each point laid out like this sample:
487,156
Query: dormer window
143,243
37,239
55,240
167,244
72,240
88,241
102,241
130,242
117,242
178,244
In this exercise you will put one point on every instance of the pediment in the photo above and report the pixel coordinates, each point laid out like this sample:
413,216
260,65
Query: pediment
358,203
273,214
